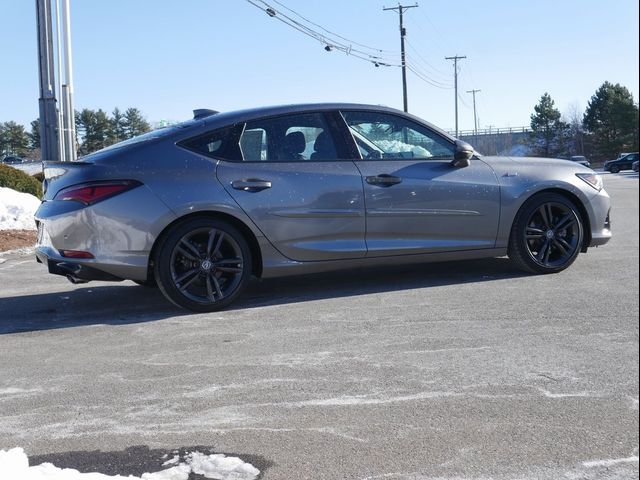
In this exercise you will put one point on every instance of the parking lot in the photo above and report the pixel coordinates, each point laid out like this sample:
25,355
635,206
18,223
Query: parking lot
466,370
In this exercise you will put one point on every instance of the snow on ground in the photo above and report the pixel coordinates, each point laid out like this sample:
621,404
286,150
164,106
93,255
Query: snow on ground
14,464
29,168
17,209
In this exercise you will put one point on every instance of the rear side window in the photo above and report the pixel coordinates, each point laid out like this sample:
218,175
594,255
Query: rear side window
289,138
222,143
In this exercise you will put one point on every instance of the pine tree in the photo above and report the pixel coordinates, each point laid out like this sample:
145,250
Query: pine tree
549,130
96,130
13,139
134,123
34,134
611,119
118,126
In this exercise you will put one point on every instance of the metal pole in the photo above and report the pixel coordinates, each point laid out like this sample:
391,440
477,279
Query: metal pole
403,32
70,121
455,77
47,101
59,95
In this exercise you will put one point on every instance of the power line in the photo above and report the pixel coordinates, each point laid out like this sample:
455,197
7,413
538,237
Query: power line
455,76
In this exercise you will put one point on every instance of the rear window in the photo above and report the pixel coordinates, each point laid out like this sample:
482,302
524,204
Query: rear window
221,143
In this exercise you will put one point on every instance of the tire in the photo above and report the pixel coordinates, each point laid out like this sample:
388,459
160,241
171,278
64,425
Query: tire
203,264
547,234
615,169
149,282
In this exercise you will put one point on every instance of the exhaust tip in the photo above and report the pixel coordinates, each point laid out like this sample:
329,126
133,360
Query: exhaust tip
76,280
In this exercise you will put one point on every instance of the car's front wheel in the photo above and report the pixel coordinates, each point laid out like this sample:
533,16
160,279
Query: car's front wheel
615,169
546,235
203,264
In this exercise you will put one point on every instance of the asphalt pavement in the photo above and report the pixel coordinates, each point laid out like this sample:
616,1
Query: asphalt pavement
465,370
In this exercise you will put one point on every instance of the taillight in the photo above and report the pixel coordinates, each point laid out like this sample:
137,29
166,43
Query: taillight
90,193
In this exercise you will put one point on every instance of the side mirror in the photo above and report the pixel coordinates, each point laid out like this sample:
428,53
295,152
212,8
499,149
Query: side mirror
463,154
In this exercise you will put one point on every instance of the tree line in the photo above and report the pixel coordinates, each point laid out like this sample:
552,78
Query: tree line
95,129
608,126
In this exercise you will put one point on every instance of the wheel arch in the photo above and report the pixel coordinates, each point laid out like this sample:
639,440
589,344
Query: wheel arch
586,240
254,246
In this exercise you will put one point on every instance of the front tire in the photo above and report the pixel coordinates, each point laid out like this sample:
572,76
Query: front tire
203,264
547,234
615,169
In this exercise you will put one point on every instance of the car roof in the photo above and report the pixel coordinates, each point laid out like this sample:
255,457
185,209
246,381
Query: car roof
225,118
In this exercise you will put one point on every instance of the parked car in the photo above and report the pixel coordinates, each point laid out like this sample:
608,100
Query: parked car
201,206
623,162
12,159
581,159
634,167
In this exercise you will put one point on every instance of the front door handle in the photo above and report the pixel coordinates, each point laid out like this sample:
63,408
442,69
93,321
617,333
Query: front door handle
383,180
251,185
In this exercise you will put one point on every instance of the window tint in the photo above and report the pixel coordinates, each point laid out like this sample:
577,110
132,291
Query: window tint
387,136
288,138
221,143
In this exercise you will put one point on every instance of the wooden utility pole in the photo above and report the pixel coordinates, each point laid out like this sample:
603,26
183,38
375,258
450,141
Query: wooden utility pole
403,32
455,77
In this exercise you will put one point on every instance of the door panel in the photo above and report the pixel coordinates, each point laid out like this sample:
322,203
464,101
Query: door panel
308,210
434,208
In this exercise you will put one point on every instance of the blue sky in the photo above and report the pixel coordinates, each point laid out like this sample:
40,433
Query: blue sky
167,57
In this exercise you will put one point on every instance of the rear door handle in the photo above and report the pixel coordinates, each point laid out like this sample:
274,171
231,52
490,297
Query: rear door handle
251,185
383,180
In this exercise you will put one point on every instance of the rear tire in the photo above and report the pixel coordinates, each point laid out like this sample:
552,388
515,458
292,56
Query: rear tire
547,234
203,264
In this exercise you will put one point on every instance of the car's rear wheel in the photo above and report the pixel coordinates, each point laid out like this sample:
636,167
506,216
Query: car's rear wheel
203,264
547,234
615,169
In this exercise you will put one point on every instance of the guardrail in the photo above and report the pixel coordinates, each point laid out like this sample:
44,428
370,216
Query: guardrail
490,131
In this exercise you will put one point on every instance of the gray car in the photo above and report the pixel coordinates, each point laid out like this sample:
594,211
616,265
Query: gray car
201,206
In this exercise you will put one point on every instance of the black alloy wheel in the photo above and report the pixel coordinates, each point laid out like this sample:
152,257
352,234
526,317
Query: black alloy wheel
547,234
203,264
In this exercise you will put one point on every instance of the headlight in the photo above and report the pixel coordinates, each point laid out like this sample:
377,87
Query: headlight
592,179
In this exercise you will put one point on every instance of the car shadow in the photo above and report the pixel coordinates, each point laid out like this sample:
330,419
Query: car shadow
126,303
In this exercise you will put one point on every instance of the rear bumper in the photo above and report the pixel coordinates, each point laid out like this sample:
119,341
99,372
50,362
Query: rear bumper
75,271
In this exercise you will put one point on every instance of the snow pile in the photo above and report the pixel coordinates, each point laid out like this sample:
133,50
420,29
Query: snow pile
17,210
394,146
14,464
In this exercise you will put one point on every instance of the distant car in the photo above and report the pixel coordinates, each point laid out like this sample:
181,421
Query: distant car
12,159
581,159
634,167
623,162
201,206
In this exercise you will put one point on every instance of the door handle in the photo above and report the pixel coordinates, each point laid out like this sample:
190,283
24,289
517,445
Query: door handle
383,180
251,185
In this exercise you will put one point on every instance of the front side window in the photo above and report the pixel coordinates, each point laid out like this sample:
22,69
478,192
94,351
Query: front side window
289,138
386,136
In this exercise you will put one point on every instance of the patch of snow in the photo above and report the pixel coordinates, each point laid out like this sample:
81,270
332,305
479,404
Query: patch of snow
172,461
610,462
14,464
30,168
17,210
398,146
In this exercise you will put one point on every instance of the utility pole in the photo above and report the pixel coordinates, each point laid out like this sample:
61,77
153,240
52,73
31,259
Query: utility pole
475,117
455,76
403,32
49,128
